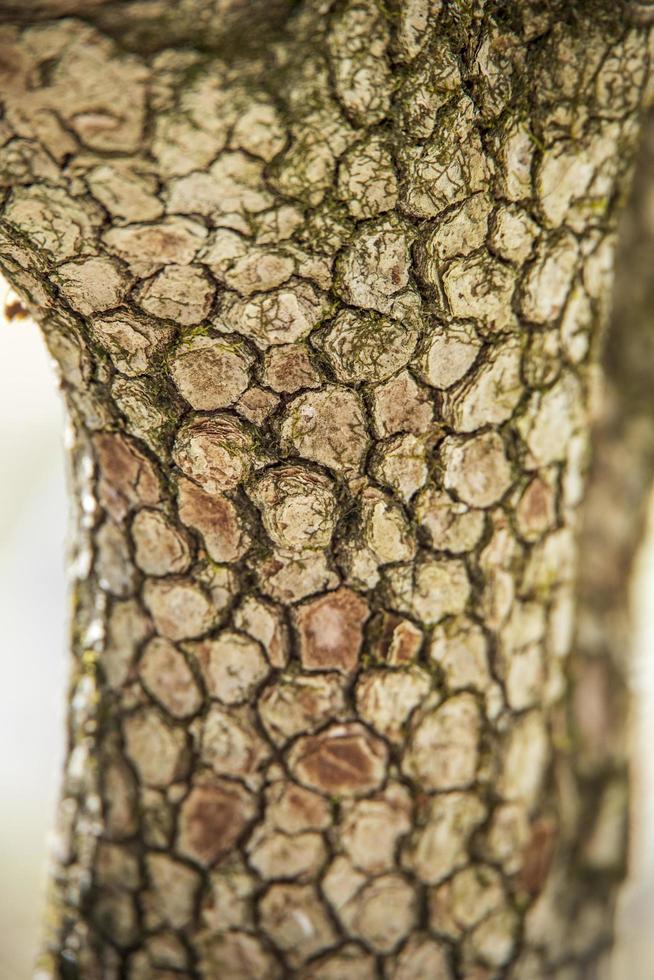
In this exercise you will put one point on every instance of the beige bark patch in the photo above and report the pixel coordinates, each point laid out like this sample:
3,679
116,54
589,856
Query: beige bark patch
395,640
449,355
236,954
443,745
259,130
180,608
211,373
296,920
266,624
141,404
160,549
230,743
166,675
278,856
431,590
366,347
349,961
155,748
91,285
170,900
385,528
461,903
53,221
481,287
459,647
331,631
290,578
422,957
366,179
228,193
551,419
401,405
371,828
327,426
127,627
293,809
130,340
451,525
233,666
493,941
366,914
476,469
440,846
516,152
296,705
183,293
256,405
113,562
357,44
548,281
507,836
401,463
574,176
246,268
490,394
524,758
447,168
427,86
282,316
147,248
412,33
125,191
181,145
460,232
298,506
216,452
226,906
374,269
385,699
513,233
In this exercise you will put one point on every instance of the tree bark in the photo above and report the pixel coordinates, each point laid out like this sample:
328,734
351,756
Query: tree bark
327,285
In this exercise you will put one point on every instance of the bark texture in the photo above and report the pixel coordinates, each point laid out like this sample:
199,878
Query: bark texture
328,308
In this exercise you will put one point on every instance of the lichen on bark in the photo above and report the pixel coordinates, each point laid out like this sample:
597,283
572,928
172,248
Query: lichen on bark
328,311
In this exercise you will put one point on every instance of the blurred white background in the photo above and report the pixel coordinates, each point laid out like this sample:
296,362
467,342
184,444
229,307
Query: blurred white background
33,665
33,613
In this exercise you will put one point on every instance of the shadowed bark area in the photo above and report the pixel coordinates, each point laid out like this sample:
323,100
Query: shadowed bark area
328,317
231,27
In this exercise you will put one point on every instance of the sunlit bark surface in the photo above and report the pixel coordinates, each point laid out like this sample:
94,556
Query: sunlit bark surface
327,285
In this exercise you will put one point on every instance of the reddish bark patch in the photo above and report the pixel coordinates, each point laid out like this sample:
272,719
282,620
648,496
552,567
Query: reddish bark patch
331,631
308,810
535,511
537,855
398,640
211,820
216,518
127,478
344,760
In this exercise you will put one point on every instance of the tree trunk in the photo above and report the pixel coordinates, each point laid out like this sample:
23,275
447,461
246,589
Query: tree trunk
327,285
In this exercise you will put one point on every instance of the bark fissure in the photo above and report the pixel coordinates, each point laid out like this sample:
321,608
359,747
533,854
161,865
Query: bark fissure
328,321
